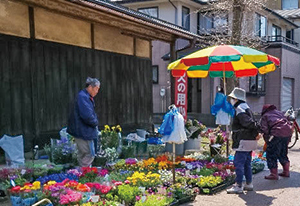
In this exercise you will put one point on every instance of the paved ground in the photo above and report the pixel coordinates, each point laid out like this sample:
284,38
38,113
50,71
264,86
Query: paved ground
283,192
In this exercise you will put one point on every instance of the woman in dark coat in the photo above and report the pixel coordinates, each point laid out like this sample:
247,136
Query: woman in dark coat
244,133
277,133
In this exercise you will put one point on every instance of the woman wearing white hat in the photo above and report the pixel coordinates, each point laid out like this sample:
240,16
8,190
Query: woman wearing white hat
244,133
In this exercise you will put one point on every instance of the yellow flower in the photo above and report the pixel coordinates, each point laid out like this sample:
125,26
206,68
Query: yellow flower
36,185
119,128
106,128
52,182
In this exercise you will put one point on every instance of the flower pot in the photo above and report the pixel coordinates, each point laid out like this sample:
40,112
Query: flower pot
193,144
16,200
214,150
179,148
28,201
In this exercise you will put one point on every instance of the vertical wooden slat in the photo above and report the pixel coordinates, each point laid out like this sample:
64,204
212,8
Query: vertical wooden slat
63,91
15,85
5,90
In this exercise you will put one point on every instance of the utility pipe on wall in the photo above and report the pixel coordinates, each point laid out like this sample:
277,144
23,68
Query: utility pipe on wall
176,16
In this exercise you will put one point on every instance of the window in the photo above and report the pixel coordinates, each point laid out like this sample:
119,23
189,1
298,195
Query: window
155,74
290,4
186,18
260,25
257,84
151,11
276,33
209,23
290,36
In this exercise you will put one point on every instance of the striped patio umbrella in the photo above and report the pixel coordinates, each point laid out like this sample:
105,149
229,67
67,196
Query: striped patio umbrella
224,61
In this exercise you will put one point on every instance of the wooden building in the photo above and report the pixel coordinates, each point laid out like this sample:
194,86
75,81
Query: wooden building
49,47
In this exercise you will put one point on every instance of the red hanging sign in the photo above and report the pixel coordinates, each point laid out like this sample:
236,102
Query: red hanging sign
181,94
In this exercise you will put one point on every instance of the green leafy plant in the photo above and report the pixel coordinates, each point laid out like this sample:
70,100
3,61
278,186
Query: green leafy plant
209,181
110,136
112,154
203,172
155,150
88,177
194,128
179,191
157,200
128,193
127,152
220,159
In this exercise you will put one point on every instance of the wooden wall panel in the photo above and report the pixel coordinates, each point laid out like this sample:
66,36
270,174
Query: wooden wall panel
40,79
67,30
14,18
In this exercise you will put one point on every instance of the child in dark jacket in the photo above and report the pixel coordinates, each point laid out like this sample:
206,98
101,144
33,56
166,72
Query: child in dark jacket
277,133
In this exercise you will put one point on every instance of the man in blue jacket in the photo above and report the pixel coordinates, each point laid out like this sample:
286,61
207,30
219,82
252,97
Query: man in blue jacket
83,122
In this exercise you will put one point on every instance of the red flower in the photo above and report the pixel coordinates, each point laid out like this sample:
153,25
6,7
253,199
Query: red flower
127,182
15,189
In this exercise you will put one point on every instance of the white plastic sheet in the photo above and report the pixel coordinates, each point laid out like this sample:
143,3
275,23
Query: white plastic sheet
14,149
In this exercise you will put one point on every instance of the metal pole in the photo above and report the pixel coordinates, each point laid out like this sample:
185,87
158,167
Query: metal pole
227,130
173,168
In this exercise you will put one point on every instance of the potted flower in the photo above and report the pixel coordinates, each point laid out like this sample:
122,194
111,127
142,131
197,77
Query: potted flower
216,138
193,130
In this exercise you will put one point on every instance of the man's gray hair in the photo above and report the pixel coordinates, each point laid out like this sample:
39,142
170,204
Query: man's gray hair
94,82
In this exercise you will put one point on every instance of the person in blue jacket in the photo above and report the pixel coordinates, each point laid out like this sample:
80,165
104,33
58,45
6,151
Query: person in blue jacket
83,122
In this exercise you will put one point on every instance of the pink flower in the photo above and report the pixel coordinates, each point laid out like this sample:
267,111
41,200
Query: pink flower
131,161
97,186
137,198
127,182
103,172
117,183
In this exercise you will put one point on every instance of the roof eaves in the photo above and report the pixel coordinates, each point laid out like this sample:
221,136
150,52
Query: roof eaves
281,17
289,14
141,16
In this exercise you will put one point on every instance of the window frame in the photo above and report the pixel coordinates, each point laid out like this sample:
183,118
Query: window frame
256,90
157,74
188,18
277,28
258,17
214,29
151,7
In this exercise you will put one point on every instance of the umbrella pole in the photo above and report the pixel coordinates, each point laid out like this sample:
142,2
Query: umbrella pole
173,167
227,129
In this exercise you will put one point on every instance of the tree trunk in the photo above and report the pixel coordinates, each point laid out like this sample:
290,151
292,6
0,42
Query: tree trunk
237,21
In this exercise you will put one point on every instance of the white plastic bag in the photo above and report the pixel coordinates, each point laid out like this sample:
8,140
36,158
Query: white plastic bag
14,150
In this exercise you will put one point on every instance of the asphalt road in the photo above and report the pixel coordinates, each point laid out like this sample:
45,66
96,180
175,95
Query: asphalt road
282,192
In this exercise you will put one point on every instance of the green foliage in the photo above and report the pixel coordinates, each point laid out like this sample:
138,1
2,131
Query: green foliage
99,161
157,200
113,176
127,152
88,177
155,150
203,172
194,128
110,136
209,181
220,159
64,152
112,154
179,191
128,193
